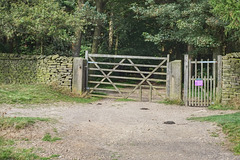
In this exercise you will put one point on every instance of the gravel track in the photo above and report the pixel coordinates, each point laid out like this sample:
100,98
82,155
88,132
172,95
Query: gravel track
110,130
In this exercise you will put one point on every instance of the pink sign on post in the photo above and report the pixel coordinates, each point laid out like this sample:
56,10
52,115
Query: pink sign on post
198,82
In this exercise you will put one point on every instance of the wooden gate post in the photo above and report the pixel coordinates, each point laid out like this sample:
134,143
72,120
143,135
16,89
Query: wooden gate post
185,97
168,78
219,79
79,81
176,80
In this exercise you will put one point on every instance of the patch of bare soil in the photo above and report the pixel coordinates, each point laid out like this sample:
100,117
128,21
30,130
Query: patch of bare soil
108,130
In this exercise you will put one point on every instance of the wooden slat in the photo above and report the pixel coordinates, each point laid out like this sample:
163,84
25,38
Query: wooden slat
211,85
129,78
126,56
140,93
198,95
103,89
105,96
186,79
195,87
125,64
128,71
190,74
202,86
204,81
126,84
192,90
150,94
208,83
204,61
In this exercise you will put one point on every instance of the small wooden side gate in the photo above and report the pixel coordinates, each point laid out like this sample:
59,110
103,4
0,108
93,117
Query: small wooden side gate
122,76
202,81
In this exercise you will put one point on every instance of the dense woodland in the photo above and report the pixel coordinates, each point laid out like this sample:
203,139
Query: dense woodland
202,28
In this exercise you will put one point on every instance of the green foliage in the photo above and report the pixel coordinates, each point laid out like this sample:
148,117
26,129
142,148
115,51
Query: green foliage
181,24
228,11
230,124
19,122
39,26
171,102
47,137
35,94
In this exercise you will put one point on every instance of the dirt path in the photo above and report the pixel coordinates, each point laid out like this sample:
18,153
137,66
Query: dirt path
108,130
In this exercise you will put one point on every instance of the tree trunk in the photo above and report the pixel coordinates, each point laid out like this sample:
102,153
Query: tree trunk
116,45
217,51
97,31
110,39
76,47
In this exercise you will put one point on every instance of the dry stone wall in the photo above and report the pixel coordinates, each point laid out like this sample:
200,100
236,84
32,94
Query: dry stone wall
52,69
231,78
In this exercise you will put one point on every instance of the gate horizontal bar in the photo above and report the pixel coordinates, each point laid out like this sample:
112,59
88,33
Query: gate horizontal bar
127,85
105,96
132,78
193,62
103,89
124,64
128,71
126,56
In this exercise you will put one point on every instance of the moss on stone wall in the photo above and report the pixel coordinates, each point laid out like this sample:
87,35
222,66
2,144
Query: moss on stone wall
231,78
36,69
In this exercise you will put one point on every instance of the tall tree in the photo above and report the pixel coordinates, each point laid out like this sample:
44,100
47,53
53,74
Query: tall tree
100,4
188,23
78,34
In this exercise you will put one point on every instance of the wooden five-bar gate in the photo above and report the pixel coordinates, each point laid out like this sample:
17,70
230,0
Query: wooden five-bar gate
122,76
202,81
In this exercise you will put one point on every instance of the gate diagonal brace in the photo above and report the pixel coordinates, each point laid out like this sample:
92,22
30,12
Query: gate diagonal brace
107,76
144,79
149,83
139,71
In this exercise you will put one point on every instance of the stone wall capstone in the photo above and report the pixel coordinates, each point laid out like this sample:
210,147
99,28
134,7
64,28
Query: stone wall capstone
36,69
231,77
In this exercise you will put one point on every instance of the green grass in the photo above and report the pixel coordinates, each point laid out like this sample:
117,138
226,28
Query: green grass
36,94
222,107
19,122
47,137
124,100
171,102
9,152
230,124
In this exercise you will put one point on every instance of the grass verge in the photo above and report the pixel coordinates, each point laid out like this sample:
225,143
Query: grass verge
223,107
36,94
19,122
171,102
7,149
125,100
230,124
9,152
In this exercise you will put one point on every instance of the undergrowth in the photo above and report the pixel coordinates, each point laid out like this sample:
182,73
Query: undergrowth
230,124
